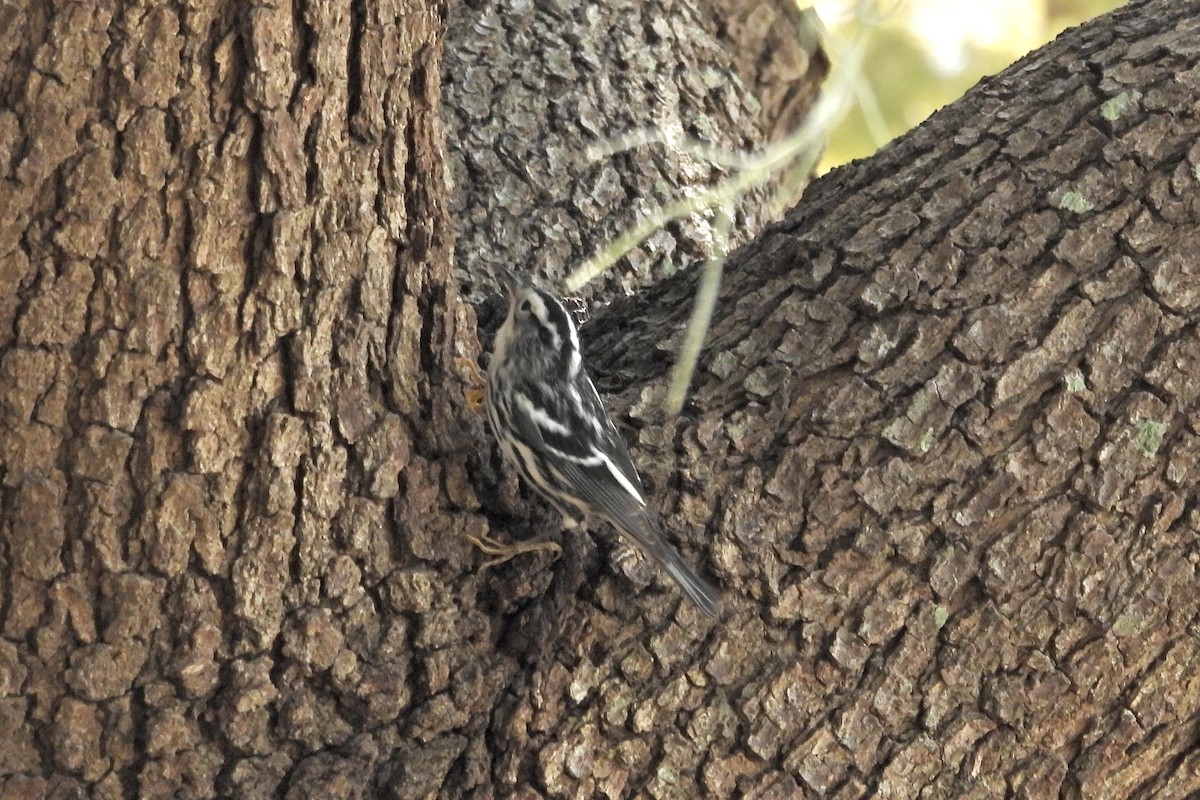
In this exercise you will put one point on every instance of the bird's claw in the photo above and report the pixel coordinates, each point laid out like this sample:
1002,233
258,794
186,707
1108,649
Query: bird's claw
501,552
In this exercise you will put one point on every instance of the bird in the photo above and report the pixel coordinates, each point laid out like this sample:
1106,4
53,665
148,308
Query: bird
551,425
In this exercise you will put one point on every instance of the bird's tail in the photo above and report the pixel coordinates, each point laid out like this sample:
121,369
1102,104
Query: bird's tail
698,590
653,544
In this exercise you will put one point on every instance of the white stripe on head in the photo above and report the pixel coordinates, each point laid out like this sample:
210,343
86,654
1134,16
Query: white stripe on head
540,313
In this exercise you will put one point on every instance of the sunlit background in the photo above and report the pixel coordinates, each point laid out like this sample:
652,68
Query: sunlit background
916,56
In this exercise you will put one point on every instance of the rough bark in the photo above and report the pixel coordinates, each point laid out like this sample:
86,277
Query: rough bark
939,456
775,50
942,454
227,325
530,87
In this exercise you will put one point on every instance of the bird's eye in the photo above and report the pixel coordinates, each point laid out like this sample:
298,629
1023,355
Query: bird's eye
524,307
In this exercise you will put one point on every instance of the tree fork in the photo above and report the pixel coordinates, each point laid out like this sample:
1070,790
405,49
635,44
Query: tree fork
938,452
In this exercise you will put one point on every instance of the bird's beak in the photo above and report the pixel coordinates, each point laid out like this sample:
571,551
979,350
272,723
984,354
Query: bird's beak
509,280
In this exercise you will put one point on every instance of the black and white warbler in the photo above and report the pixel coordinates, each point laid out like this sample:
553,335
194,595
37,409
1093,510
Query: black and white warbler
551,425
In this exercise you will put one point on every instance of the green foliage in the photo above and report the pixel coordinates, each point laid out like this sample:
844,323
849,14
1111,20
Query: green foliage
906,73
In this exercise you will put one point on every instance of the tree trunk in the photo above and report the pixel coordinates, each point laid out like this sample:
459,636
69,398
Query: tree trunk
228,324
942,455
938,455
536,91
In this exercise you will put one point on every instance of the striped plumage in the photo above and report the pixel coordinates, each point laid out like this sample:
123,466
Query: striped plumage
552,426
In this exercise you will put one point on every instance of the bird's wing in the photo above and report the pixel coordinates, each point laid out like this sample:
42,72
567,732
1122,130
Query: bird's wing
580,450
571,429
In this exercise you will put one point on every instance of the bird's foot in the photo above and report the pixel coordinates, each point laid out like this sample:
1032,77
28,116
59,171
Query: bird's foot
501,552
